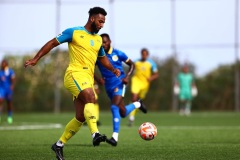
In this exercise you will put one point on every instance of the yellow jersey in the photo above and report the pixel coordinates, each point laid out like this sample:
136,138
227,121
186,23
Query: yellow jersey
144,70
84,48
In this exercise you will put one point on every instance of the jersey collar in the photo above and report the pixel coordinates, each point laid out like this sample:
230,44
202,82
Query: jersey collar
110,50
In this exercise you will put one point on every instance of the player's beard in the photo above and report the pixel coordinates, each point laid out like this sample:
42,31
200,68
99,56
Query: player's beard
94,28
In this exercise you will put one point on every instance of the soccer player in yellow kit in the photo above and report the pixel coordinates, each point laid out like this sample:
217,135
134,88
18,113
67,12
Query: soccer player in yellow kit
85,47
145,72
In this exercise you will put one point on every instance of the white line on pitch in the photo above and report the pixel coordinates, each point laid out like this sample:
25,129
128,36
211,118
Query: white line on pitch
31,127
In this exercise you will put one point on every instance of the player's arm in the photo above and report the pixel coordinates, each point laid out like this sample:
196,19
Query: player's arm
194,89
107,64
13,80
42,52
176,88
154,76
131,65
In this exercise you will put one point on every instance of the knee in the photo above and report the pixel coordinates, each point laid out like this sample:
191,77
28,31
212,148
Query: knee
122,115
122,112
80,117
87,96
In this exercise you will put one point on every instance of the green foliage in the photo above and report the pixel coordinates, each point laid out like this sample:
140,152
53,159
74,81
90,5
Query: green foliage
34,90
216,90
36,85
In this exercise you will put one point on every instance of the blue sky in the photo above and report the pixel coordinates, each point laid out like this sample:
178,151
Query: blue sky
204,28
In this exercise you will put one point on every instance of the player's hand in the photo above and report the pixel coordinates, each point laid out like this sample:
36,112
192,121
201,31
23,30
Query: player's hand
116,72
31,62
12,87
125,80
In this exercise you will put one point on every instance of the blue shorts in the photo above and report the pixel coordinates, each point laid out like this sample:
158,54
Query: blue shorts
6,94
117,90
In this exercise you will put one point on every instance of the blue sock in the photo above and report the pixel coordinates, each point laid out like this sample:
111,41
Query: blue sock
9,113
116,118
129,108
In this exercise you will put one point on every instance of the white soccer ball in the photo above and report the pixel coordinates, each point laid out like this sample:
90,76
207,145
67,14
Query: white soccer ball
147,131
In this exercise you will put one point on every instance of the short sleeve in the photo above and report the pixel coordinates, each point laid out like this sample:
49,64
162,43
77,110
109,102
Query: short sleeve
12,74
154,66
123,57
66,36
101,52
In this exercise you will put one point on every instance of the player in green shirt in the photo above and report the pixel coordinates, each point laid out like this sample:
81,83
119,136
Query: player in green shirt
186,89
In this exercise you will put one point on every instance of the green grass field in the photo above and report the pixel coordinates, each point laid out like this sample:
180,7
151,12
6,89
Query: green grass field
203,136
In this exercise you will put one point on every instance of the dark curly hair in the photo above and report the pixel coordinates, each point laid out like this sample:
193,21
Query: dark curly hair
97,10
144,50
105,35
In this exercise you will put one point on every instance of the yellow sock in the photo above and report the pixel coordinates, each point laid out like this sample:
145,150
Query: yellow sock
71,128
96,106
133,113
90,116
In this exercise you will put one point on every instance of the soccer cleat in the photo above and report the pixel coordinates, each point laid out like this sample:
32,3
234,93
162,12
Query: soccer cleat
142,107
112,141
59,151
98,138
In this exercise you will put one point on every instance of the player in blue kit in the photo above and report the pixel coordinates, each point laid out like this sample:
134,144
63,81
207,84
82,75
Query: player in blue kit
7,82
116,86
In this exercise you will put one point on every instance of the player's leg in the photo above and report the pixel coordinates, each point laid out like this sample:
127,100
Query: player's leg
97,110
9,105
188,108
80,84
71,129
82,89
2,96
126,110
133,113
118,100
188,104
10,111
141,94
88,98
116,119
1,107
182,105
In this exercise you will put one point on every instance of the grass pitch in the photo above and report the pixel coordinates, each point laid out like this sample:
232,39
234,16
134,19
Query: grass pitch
211,136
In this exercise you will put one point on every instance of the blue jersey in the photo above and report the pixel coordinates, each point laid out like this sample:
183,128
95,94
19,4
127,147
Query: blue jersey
6,78
116,58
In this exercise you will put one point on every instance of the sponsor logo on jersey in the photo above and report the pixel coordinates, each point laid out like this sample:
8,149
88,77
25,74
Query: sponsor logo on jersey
84,83
92,42
92,117
116,90
115,58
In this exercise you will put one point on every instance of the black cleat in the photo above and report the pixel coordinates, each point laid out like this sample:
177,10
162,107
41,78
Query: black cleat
112,141
98,139
142,107
59,151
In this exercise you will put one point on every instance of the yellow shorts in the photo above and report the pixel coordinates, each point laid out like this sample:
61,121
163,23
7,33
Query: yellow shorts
139,88
77,81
